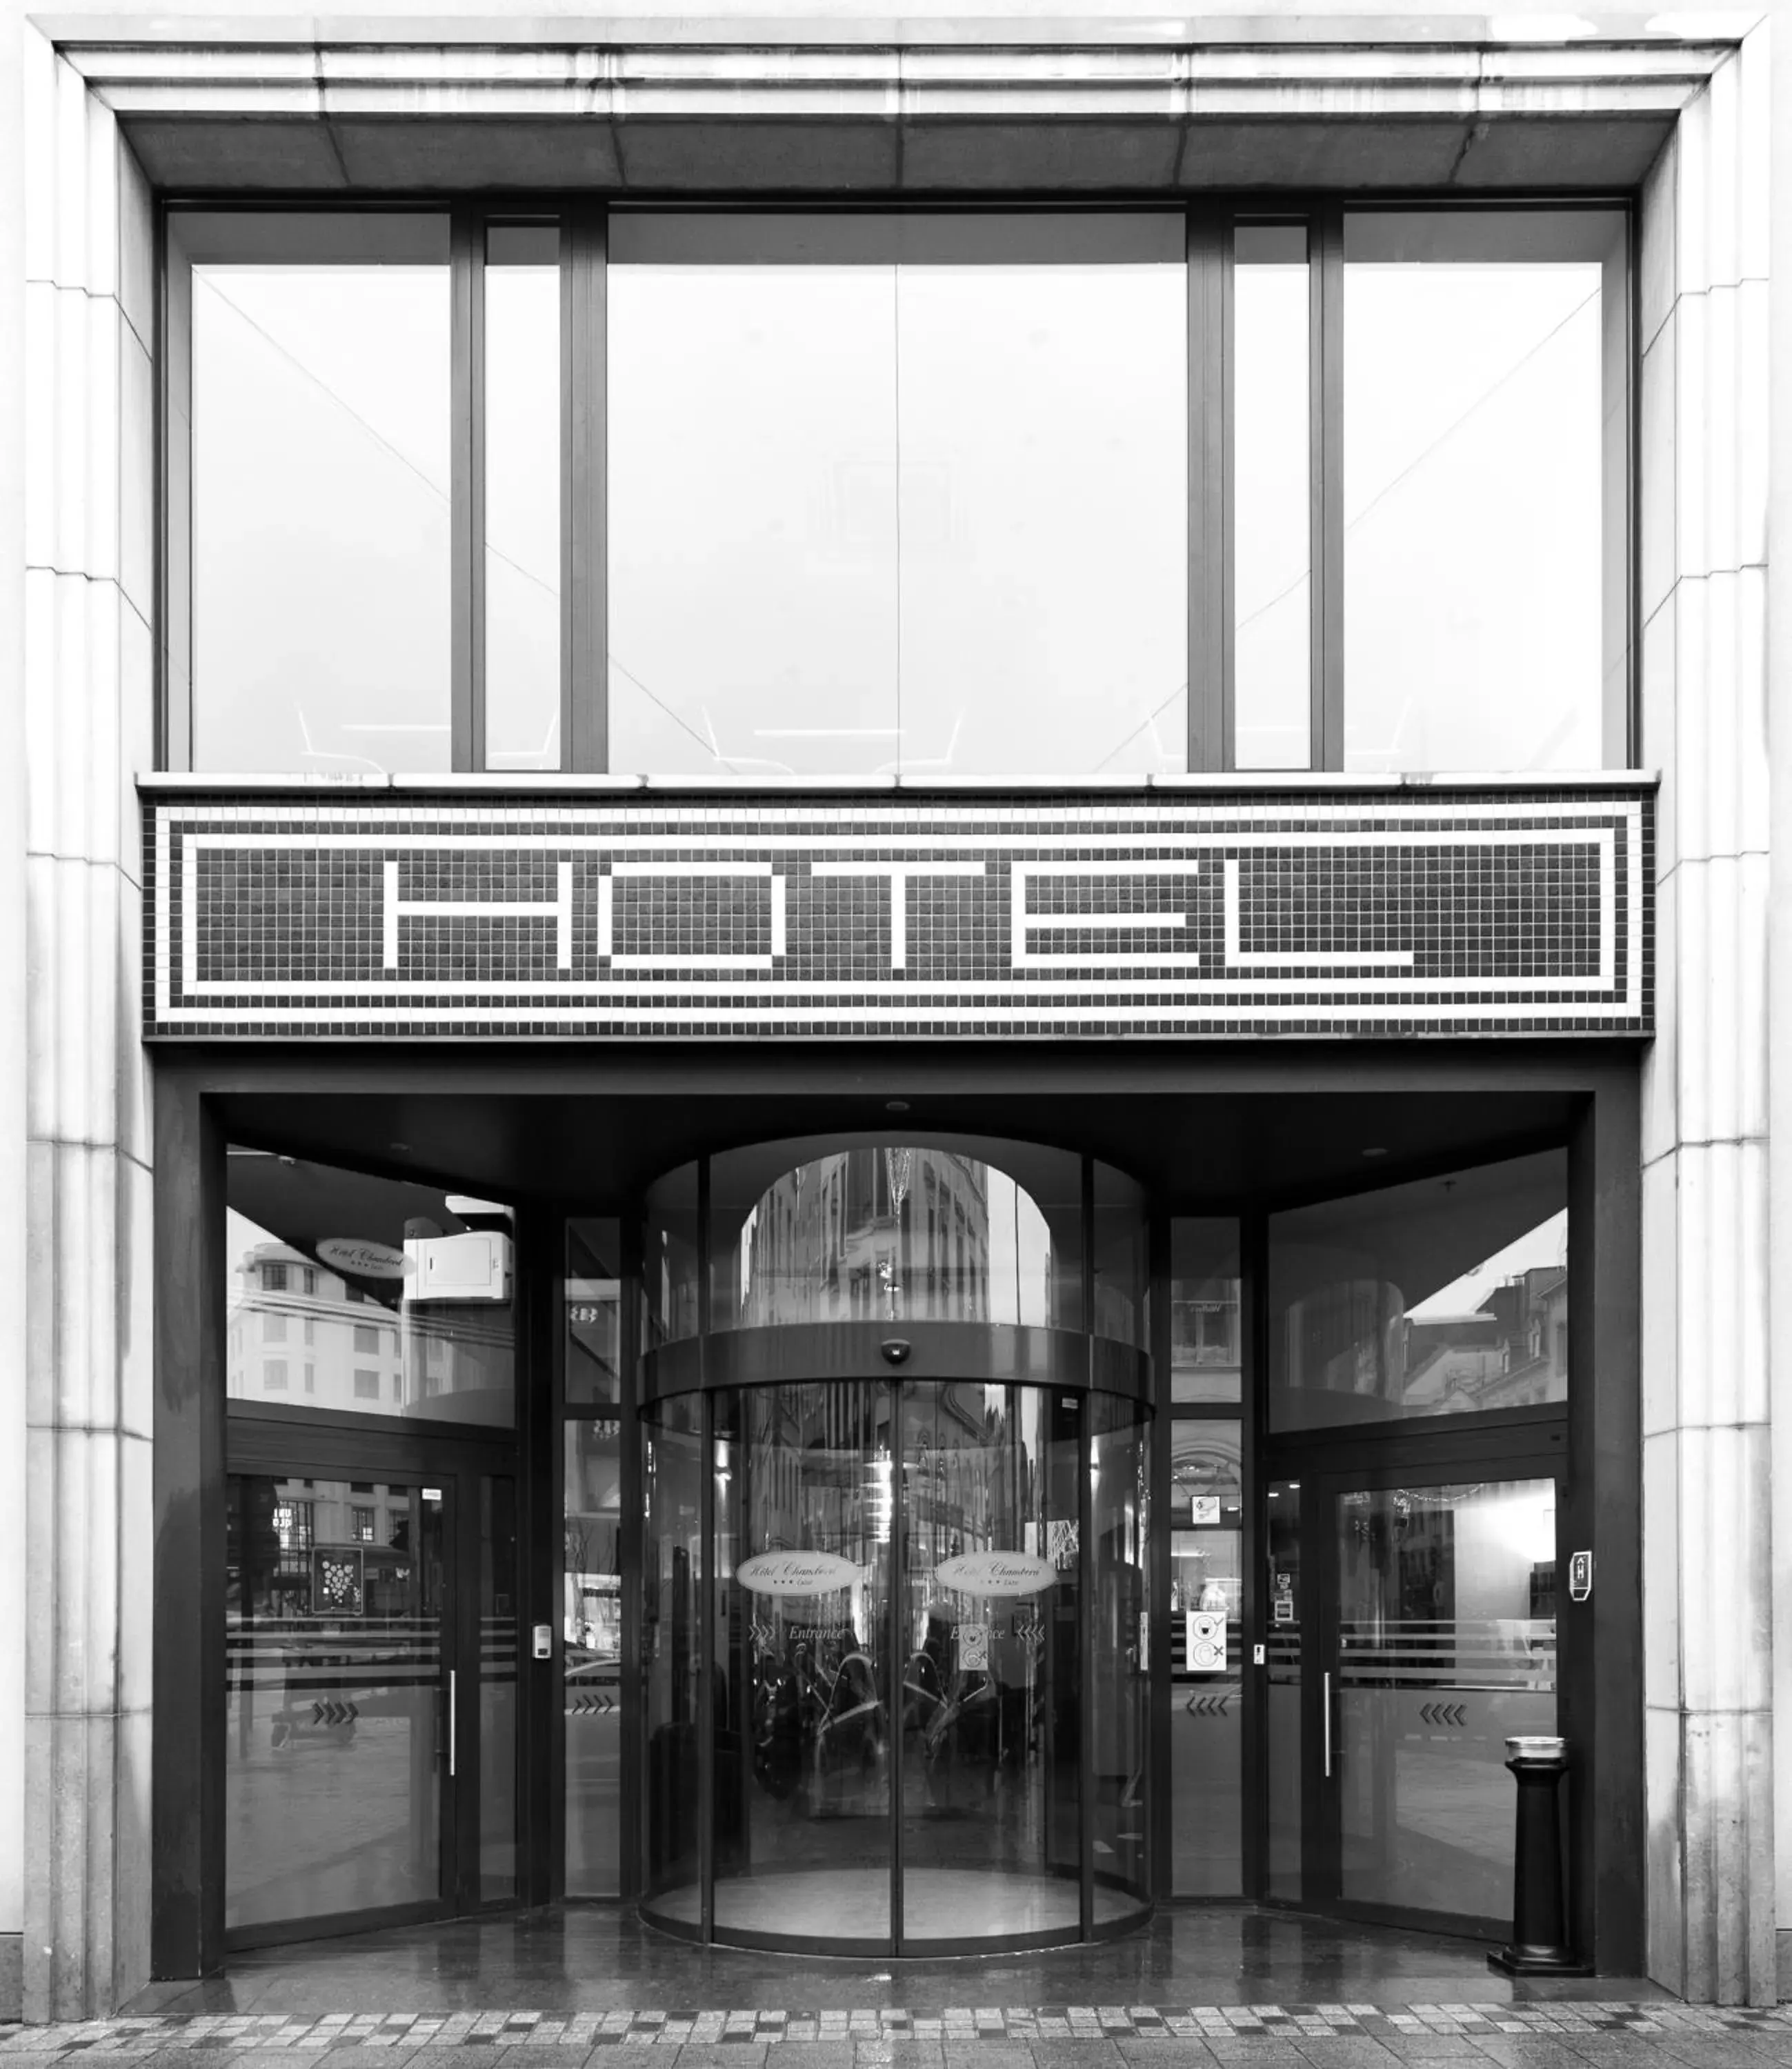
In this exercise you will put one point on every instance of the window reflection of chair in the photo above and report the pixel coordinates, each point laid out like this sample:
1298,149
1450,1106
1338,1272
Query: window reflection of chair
849,1734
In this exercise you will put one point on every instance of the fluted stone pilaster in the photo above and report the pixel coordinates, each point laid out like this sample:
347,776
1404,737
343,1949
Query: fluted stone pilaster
1708,1584
88,723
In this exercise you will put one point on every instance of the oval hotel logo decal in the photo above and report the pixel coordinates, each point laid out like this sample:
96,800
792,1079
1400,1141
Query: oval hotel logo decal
796,1573
996,1573
362,1257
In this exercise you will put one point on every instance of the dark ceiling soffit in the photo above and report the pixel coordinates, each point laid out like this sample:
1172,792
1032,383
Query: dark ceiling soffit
798,156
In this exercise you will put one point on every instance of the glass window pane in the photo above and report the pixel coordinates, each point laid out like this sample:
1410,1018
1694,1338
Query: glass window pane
924,479
1122,1263
1043,526
522,497
335,1711
1481,402
1205,1605
319,516
805,1503
405,1292
592,1656
669,1259
593,1312
1446,1597
497,1689
1272,498
1206,1353
990,1689
1444,1297
751,534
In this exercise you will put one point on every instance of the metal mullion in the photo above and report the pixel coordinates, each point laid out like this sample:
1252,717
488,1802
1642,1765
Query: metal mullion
467,493
1162,1872
895,1637
633,1537
584,547
1210,614
706,1670
1253,1680
1085,1560
1325,372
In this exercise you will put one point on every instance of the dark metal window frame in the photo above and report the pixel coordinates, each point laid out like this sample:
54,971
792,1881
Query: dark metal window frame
1212,462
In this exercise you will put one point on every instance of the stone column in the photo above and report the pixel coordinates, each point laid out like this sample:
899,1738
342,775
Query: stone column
1707,1479
88,723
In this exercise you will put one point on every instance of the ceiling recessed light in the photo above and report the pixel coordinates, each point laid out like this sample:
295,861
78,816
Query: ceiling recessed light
403,1149
1377,1151
896,1106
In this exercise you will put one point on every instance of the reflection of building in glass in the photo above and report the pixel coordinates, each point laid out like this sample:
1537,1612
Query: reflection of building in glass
1511,1352
870,1234
300,1331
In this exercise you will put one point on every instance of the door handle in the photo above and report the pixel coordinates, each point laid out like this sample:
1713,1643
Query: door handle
1325,1697
454,1707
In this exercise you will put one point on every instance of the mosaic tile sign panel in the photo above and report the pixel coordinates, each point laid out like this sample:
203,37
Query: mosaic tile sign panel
400,913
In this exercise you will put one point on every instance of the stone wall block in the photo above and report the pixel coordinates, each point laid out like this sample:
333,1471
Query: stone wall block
70,1830
131,1854
1729,1795
91,830
1748,1115
136,246
100,191
1690,744
71,223
1750,377
100,550
136,463
1656,471
1656,747
1692,1006
1749,645
1723,1223
38,63
41,710
1691,452
42,1609
1721,172
137,743
67,784
44,381
1656,261
1661,1766
136,1540
1661,1570
87,1524
1753,177
1692,202
1726,1644
1660,1339
70,404
1716,431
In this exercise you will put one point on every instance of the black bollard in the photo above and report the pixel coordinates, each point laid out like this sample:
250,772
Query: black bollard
1539,1917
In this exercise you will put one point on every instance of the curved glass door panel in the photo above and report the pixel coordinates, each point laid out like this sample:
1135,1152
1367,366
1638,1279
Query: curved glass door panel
804,1510
1120,1654
869,1615
990,1679
670,1652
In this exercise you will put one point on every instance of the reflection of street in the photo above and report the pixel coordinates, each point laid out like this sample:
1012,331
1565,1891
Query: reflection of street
593,1708
323,1823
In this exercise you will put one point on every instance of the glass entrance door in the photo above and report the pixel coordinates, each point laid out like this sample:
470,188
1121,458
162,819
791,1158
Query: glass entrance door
1412,1632
370,1697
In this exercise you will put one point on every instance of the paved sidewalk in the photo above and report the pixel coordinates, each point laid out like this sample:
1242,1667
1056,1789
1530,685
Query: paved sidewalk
1553,2034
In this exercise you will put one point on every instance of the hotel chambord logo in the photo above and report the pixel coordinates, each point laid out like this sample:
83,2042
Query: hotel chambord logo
796,1573
996,1573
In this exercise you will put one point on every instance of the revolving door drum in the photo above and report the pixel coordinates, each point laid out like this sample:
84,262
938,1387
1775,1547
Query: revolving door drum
895,1638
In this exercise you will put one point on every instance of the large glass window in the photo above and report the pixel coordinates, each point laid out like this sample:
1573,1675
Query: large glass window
1207,1631
1484,445
312,362
404,1293
1447,1296
926,475
899,493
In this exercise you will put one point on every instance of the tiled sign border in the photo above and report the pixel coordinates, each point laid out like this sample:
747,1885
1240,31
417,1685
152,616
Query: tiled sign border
1093,915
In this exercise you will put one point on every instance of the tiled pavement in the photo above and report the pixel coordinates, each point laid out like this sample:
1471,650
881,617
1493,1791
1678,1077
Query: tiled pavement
1554,2035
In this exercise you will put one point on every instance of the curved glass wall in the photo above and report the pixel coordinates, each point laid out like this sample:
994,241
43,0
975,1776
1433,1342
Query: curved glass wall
897,1642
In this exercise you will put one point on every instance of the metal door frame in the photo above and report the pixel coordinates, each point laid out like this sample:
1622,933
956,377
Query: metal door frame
264,1445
